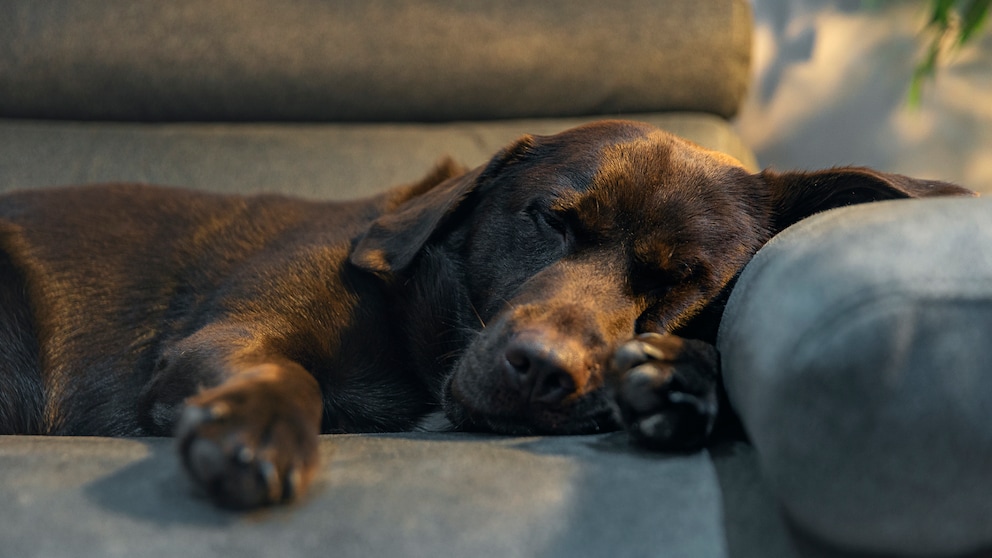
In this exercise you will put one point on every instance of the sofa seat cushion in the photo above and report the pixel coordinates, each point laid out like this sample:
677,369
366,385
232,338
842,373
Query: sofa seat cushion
375,495
857,349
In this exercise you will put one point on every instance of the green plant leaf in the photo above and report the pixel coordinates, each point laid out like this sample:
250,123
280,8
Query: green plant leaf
942,13
924,71
972,19
964,18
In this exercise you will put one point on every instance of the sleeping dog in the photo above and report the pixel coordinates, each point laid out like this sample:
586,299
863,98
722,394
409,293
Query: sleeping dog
570,285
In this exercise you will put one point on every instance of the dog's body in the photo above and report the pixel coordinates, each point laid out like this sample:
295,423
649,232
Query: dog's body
508,295
119,276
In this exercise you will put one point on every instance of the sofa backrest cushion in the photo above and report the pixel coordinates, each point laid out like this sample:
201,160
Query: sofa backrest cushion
369,60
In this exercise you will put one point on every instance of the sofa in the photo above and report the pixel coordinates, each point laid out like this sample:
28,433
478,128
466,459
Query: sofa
854,346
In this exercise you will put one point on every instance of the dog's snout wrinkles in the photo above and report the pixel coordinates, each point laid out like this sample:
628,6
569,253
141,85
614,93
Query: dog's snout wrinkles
543,371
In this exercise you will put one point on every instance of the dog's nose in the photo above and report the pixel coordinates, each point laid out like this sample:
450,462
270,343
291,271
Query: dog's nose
540,371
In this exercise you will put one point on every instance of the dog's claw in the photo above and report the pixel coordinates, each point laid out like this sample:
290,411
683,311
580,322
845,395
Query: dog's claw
626,357
218,411
637,351
650,346
271,481
244,455
639,386
292,485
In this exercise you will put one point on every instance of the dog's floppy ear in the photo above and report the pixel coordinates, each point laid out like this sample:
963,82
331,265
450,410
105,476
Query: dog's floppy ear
797,195
394,239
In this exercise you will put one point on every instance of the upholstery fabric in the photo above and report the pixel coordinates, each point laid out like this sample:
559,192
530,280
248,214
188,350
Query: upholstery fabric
369,60
339,100
856,348
404,495
317,160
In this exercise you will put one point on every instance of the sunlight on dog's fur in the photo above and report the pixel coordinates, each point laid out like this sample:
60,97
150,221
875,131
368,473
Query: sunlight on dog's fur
572,284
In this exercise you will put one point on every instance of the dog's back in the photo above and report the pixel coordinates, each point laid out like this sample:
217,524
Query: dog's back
94,279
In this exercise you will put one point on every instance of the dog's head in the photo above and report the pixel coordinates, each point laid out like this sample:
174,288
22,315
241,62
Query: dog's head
565,246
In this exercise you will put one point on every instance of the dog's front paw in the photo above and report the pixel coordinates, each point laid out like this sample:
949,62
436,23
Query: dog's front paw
249,442
667,390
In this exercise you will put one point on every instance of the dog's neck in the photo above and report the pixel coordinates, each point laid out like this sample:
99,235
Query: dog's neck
439,329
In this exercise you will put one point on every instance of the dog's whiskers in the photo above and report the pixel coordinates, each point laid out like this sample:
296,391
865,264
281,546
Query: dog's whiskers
450,356
477,316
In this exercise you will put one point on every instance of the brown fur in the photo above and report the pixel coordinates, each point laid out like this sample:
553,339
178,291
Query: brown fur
509,296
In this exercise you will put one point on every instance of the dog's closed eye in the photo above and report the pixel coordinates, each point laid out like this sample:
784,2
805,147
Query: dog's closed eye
551,225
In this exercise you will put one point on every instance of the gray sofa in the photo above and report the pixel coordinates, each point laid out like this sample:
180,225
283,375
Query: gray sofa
862,387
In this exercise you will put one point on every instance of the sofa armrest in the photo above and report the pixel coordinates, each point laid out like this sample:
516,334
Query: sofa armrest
857,349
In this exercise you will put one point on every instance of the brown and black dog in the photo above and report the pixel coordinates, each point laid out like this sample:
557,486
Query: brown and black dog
548,291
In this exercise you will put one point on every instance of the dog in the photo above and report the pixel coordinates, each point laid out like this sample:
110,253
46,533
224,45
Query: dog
571,285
